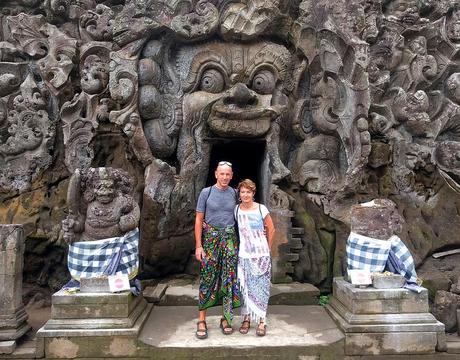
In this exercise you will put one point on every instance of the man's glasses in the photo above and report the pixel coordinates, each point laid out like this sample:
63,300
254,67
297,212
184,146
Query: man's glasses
221,163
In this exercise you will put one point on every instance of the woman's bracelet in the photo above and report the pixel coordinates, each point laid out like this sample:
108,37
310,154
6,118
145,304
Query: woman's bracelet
199,247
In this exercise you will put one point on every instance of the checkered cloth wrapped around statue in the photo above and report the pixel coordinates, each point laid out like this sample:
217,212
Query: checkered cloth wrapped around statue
374,255
117,255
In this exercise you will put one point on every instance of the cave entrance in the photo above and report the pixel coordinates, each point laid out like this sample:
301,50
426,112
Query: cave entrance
248,159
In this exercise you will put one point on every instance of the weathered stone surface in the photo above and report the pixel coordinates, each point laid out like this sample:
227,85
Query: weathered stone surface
445,309
388,281
96,284
154,294
378,219
391,343
293,332
380,301
92,305
402,325
13,318
315,90
7,347
293,294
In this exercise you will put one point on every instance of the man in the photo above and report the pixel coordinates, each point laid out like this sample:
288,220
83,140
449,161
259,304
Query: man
216,249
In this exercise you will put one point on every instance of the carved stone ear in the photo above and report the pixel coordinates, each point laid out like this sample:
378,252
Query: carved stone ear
302,124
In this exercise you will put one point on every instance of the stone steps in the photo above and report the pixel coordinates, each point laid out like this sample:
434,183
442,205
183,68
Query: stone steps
184,292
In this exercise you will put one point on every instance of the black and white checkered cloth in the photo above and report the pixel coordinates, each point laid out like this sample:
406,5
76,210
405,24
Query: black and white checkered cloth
371,254
111,256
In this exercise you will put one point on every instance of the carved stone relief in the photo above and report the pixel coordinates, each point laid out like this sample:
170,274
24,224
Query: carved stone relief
351,100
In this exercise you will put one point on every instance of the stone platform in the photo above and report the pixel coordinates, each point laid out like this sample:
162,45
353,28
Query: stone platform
300,332
385,321
94,325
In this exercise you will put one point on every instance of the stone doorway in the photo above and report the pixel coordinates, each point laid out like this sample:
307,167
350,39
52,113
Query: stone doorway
248,159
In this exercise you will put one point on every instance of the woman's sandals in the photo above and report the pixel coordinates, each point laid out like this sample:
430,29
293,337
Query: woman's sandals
226,329
201,333
261,329
244,329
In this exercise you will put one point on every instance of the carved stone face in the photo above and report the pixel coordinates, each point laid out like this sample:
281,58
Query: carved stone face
94,75
105,190
240,86
404,10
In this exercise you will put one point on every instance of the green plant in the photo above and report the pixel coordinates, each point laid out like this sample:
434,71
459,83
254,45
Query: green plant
324,299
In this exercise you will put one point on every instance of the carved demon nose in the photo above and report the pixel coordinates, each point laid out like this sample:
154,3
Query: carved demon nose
240,95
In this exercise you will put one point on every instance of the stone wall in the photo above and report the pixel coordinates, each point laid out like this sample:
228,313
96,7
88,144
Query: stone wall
351,100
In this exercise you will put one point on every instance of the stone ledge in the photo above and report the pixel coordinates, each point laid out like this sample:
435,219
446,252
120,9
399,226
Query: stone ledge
7,347
102,332
85,308
176,293
387,323
294,294
113,322
27,349
392,319
378,301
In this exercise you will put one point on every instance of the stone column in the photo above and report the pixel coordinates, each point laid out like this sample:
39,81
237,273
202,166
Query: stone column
13,317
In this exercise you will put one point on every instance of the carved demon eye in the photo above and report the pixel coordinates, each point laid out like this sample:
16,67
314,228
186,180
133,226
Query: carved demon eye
212,81
263,82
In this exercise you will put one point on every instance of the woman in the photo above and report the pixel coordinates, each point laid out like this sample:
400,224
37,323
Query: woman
254,265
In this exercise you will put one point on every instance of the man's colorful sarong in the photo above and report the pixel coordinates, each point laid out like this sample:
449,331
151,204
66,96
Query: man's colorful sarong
218,280
118,255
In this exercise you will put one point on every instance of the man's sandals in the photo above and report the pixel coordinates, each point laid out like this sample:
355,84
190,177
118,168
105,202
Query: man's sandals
201,332
245,325
261,329
226,328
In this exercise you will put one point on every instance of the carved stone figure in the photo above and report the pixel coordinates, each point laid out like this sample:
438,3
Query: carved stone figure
27,138
106,209
416,65
82,115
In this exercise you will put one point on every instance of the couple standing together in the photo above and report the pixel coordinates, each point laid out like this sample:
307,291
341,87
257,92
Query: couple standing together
230,268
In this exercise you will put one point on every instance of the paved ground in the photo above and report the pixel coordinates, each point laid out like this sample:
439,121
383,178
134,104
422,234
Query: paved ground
301,331
292,332
287,326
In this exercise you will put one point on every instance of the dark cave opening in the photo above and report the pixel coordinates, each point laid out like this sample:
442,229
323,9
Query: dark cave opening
247,158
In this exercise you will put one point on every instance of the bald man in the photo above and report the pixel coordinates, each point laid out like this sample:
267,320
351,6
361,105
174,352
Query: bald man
217,249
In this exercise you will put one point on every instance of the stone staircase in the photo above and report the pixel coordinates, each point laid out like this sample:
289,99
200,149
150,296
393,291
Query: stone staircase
295,245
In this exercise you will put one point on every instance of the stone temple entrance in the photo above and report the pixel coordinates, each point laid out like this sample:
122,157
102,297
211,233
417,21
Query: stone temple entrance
248,160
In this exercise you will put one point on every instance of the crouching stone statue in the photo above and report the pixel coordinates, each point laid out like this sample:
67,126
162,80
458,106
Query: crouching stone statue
101,227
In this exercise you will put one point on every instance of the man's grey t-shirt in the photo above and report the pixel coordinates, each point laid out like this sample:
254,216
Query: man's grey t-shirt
219,206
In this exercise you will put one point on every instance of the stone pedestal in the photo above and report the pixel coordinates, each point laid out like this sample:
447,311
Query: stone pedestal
94,325
13,317
385,321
